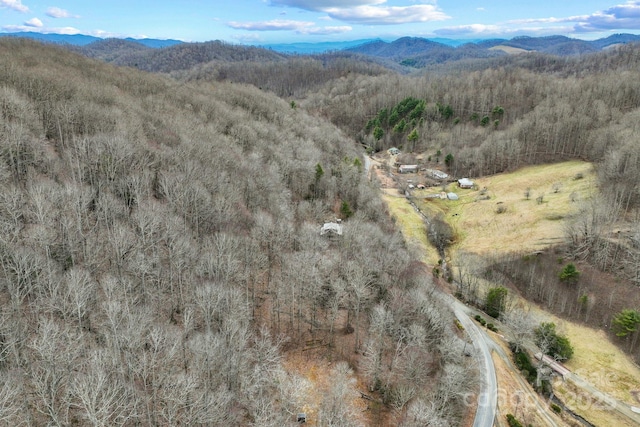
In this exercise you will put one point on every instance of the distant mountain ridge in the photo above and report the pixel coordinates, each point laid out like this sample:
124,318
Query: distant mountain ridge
548,44
419,52
414,52
312,48
83,40
298,48
378,47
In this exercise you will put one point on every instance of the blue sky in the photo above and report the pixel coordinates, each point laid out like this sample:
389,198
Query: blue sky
288,21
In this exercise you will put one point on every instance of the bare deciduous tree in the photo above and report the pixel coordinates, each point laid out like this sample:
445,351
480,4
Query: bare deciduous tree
421,413
22,268
55,352
522,323
336,409
78,294
11,400
100,394
359,283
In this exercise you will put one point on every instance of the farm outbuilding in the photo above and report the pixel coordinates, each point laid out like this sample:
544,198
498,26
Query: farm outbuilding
408,168
438,174
465,183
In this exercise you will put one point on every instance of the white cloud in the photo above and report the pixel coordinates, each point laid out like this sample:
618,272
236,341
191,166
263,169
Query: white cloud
249,38
43,30
14,5
550,20
371,12
273,25
620,17
327,30
56,12
501,31
323,5
473,29
69,31
300,27
388,15
108,34
34,22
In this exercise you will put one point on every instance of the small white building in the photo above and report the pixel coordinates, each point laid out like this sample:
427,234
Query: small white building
331,228
438,174
465,183
408,168
393,151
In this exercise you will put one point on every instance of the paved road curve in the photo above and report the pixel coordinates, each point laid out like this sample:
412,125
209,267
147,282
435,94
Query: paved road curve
487,398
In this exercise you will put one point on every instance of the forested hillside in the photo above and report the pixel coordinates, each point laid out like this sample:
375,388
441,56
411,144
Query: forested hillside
491,116
161,257
404,53
531,114
161,244
291,79
498,119
181,56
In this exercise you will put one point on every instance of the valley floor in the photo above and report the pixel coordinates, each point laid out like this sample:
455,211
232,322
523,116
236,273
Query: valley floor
536,226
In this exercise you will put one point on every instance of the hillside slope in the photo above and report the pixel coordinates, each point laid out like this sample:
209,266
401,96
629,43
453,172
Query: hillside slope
181,56
161,253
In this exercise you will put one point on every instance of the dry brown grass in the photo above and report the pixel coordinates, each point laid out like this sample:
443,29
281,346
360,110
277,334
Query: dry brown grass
599,361
509,49
519,399
317,372
525,224
412,226
587,407
602,364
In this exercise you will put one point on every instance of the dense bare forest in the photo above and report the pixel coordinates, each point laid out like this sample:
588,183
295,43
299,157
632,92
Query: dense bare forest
161,255
161,243
494,115
497,115
182,56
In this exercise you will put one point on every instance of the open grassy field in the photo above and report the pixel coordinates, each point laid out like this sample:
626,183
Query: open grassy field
411,224
497,217
525,224
598,361
588,407
508,49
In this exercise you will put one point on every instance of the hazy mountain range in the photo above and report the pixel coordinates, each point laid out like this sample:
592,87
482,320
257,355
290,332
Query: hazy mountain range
549,44
82,40
169,55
